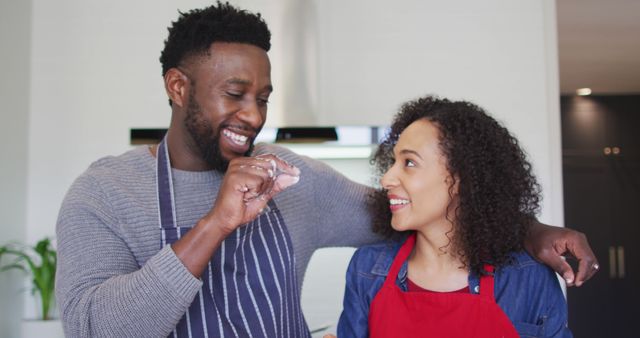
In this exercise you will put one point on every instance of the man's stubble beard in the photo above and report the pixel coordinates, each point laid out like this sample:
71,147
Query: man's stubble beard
206,139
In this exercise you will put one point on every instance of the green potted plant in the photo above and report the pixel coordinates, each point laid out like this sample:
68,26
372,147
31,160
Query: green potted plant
39,262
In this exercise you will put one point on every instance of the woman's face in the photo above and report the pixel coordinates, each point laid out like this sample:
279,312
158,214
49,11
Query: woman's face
418,182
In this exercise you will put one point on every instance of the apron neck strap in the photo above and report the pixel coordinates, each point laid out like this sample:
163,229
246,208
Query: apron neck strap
486,282
401,257
486,279
164,184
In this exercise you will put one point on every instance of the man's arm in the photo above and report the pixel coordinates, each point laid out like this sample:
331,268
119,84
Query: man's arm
344,219
345,215
548,244
100,288
325,209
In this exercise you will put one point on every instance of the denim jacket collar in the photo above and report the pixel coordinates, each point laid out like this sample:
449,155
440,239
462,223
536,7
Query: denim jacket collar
385,259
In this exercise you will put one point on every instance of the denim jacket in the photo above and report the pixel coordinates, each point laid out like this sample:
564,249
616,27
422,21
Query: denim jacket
527,291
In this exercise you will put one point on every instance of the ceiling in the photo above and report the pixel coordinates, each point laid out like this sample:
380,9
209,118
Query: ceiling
599,45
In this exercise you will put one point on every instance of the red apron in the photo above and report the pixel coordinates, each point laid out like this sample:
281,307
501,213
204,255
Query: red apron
395,313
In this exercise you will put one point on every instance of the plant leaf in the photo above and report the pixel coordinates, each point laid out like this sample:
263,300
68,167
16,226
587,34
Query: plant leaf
41,261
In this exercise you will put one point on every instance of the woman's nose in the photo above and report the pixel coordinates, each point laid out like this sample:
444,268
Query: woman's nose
388,180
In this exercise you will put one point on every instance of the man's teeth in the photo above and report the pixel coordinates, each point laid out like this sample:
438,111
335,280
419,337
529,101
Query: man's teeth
236,138
395,201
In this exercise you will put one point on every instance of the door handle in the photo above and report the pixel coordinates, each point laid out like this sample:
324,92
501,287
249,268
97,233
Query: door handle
621,272
612,262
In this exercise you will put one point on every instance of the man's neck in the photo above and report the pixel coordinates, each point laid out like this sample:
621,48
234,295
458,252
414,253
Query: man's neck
181,155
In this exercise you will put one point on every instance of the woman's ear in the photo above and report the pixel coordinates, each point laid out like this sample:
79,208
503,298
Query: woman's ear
454,183
176,84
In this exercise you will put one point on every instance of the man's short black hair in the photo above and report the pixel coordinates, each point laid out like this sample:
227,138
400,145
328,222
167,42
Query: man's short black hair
195,31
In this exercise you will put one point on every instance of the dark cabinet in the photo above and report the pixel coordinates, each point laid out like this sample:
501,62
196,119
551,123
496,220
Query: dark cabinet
601,171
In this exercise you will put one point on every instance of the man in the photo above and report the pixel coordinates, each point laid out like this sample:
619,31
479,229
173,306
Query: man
193,237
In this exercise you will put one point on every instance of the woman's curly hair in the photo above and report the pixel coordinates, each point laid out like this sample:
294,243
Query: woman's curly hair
498,193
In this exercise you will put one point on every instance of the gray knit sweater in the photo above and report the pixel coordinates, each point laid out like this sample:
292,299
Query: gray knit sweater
113,279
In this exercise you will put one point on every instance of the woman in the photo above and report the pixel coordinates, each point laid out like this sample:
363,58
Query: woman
461,196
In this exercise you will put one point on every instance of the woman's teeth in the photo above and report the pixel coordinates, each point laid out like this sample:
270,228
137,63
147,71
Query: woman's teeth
395,201
236,138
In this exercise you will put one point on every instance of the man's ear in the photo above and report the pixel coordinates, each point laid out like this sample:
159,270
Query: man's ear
176,84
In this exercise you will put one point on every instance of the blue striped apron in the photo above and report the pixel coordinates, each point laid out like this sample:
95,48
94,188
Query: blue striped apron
249,286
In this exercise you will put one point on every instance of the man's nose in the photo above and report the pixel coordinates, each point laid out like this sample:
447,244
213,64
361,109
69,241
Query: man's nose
252,115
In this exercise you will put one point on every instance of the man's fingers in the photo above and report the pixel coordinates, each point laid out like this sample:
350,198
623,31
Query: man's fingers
281,166
286,174
284,181
551,243
248,163
559,265
567,273
259,179
588,265
586,269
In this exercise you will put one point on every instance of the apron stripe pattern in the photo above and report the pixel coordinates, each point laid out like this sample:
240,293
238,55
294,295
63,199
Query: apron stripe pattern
249,287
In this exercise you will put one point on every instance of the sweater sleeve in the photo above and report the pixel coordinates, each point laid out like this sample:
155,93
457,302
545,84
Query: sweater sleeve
100,288
339,209
332,209
342,209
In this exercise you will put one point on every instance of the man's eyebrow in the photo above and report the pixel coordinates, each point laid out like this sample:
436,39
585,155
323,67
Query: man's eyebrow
409,151
235,80
243,82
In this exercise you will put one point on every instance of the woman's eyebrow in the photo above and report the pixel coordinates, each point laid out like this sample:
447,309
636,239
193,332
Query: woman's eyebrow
409,151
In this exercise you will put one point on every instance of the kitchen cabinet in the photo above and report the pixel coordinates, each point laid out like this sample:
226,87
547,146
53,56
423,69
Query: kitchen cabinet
601,171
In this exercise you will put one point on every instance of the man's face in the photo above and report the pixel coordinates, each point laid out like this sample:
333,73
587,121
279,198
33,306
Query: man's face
227,104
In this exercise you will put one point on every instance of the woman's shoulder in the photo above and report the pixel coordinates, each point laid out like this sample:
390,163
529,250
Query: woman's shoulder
520,262
529,293
525,273
375,258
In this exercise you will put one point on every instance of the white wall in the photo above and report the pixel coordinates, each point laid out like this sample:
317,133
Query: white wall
500,54
15,34
95,74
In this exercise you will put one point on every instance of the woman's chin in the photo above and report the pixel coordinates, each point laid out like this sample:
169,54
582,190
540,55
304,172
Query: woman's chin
400,227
